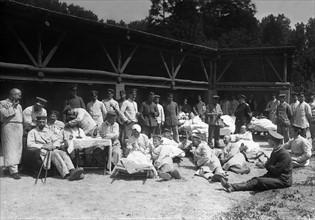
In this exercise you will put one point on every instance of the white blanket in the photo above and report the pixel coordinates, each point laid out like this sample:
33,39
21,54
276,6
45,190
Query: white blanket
262,124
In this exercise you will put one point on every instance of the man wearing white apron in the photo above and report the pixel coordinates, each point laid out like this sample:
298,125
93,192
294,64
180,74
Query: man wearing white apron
12,131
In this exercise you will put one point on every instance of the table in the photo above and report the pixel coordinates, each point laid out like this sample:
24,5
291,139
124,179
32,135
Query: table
80,144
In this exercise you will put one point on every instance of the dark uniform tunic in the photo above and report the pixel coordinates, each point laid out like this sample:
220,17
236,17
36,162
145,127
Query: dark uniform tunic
279,173
243,116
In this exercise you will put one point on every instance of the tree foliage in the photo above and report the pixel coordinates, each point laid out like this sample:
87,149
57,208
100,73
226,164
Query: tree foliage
56,5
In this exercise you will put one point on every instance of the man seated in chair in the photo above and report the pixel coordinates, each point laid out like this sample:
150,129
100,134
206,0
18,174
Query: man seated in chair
54,124
110,129
71,133
206,161
49,144
139,142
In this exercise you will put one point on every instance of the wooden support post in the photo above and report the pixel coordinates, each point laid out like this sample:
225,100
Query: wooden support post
119,59
26,50
53,50
109,57
285,67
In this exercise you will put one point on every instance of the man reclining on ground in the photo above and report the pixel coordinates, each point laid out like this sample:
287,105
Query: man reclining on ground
205,159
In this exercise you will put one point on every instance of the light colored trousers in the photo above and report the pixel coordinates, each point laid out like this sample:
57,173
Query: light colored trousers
62,162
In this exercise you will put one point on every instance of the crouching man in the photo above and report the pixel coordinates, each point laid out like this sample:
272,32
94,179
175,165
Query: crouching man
279,169
206,160
42,138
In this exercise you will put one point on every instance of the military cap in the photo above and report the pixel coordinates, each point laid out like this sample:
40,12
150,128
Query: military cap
282,95
215,96
166,130
110,91
94,92
41,118
197,136
132,91
157,96
242,96
294,93
275,135
73,87
155,136
66,108
40,101
111,114
54,112
295,126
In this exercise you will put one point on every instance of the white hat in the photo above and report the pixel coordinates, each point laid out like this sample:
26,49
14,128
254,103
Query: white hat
136,127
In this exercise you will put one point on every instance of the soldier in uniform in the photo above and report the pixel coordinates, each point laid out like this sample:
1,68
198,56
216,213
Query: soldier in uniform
279,169
243,114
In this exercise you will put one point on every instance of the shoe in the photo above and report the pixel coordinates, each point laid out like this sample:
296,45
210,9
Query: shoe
175,174
165,176
217,177
226,185
6,172
81,177
76,173
16,176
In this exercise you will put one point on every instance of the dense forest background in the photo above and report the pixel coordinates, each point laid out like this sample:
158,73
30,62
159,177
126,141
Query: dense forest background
219,24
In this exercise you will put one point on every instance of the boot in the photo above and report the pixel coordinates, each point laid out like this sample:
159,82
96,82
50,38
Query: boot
241,186
226,185
175,174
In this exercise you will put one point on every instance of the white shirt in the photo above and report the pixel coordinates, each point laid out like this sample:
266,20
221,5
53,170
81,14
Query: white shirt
109,103
97,110
129,110
83,119
29,115
161,117
302,113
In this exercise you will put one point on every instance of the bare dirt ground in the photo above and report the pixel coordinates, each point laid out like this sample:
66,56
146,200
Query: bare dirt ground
99,197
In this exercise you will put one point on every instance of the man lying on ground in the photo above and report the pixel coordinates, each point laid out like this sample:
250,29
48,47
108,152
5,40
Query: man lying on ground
42,138
163,161
232,158
279,169
206,161
300,148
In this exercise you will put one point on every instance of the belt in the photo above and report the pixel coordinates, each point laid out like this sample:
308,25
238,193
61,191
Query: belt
13,122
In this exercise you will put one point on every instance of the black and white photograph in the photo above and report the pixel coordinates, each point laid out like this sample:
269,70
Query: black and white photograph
157,109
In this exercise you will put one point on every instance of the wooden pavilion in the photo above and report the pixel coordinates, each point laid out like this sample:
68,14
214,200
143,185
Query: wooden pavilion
43,51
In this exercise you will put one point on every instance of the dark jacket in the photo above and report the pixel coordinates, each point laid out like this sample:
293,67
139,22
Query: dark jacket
243,114
280,166
149,112
171,112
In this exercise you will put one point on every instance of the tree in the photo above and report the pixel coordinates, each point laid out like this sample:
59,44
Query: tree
222,16
55,5
275,30
186,22
303,36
